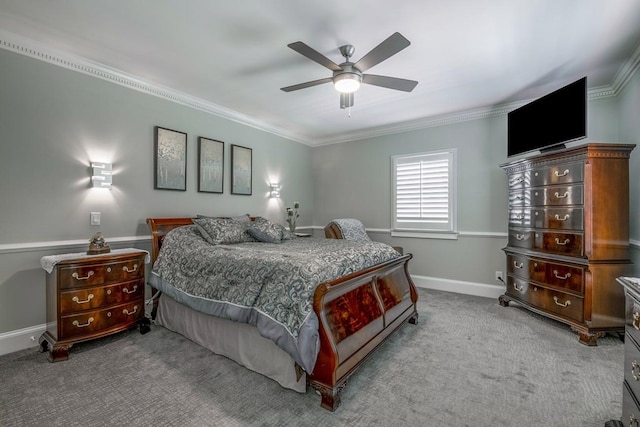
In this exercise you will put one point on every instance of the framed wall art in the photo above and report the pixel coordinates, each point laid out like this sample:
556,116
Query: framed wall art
241,170
170,159
210,165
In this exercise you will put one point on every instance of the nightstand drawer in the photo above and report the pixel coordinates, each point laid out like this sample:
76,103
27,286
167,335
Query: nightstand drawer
91,298
96,274
79,276
125,270
90,322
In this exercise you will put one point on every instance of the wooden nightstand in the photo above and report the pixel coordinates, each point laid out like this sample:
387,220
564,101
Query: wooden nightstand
91,296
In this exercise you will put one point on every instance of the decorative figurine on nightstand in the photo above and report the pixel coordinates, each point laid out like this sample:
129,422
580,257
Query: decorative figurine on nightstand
97,245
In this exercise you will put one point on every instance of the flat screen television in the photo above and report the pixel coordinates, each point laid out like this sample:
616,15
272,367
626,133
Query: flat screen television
548,122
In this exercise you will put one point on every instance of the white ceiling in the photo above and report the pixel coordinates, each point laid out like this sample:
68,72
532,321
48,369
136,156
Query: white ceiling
233,55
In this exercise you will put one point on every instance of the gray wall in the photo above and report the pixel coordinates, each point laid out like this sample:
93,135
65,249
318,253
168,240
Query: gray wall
54,121
629,114
353,180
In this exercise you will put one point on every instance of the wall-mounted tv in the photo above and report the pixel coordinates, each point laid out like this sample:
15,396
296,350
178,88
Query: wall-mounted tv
548,122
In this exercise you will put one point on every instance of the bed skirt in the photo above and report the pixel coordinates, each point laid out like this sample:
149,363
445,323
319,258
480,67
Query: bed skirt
238,341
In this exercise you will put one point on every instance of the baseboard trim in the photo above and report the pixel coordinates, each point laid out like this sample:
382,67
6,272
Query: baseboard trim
20,339
458,286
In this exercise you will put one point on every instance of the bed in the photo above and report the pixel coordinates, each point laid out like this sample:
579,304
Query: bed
346,317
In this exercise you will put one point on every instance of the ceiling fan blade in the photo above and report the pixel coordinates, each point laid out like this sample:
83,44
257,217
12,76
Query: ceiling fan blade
389,82
306,84
314,55
392,45
346,100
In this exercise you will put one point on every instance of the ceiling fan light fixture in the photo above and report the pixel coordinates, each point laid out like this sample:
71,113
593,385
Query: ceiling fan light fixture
347,82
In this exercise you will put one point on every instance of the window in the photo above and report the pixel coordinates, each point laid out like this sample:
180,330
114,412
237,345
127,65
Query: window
424,194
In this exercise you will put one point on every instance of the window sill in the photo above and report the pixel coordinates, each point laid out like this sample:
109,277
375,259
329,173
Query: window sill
448,235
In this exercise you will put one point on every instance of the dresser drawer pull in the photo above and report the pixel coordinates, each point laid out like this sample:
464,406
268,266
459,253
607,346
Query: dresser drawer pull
564,196
126,269
133,291
521,236
518,288
129,313
565,277
520,216
635,370
517,181
566,303
636,320
565,173
519,197
518,265
82,325
566,217
77,277
77,300
566,241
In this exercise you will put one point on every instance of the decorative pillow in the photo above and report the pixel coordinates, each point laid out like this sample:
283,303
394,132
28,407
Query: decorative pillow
265,231
223,230
241,218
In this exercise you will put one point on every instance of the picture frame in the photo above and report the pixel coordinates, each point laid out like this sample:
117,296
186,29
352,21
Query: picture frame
210,165
241,170
170,159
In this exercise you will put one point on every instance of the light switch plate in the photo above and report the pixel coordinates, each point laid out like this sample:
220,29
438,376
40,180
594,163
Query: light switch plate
95,218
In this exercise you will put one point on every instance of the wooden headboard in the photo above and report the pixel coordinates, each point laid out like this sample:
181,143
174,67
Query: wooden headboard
159,228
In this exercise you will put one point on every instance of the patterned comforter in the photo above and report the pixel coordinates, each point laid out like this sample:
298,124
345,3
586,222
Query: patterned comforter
270,286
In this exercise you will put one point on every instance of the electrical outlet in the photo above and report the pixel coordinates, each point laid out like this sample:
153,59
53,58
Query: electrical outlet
499,277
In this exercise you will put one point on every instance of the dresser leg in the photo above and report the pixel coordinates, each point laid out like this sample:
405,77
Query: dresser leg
590,339
504,300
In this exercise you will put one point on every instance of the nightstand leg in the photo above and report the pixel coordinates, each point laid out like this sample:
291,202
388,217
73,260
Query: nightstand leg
59,353
145,325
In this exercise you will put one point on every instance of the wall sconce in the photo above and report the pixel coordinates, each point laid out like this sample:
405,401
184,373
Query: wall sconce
101,175
275,191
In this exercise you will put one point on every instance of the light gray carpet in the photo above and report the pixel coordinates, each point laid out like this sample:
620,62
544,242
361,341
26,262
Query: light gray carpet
469,362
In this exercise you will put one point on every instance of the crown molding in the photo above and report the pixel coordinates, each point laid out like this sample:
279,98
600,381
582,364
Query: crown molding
627,71
27,47
24,46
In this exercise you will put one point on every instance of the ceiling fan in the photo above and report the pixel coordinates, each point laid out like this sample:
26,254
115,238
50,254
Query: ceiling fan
348,76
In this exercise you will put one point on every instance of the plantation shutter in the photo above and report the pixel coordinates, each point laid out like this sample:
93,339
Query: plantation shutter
423,192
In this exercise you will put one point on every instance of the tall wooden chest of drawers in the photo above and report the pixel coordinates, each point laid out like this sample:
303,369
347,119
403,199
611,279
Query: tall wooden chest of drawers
91,297
569,236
